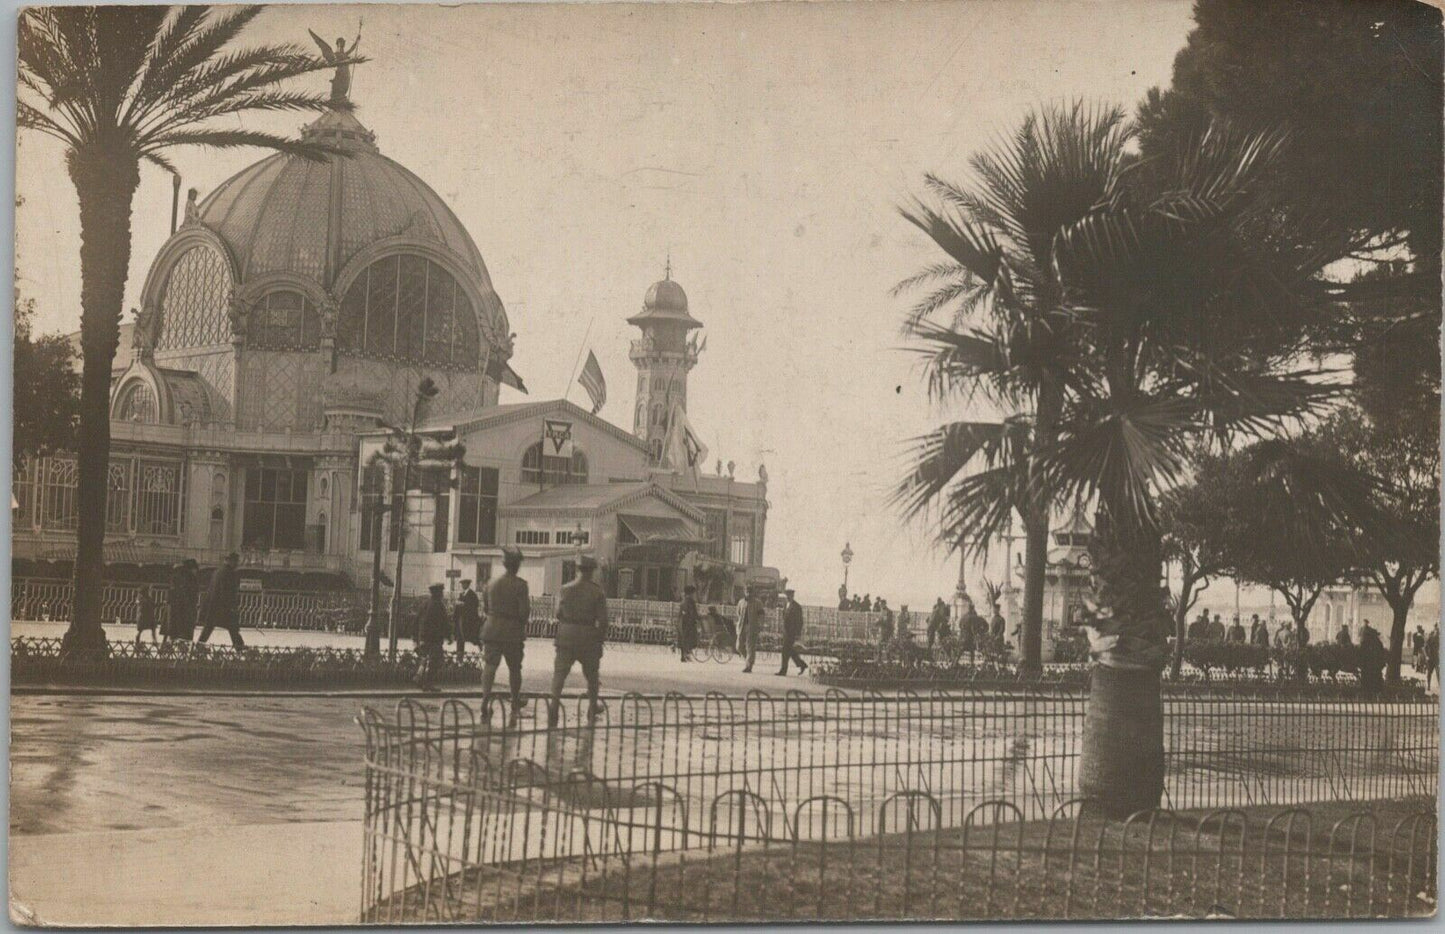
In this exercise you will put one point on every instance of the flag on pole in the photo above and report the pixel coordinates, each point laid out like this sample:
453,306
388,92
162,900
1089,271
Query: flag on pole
592,381
683,449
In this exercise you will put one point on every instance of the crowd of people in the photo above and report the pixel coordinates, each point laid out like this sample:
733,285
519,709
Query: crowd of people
1425,650
217,608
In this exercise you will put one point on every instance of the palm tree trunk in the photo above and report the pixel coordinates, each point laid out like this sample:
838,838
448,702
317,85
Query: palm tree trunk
105,182
1122,757
1036,532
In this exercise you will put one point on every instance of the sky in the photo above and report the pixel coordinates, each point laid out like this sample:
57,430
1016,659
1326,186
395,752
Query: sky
764,147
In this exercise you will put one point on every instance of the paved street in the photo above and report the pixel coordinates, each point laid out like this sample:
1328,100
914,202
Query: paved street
121,798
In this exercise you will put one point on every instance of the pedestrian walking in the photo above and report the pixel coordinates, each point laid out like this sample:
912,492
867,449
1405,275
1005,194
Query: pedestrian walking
581,631
145,613
1343,636
1198,630
504,634
467,620
752,628
687,620
430,636
1417,648
1215,632
1236,633
219,607
1259,632
185,590
792,632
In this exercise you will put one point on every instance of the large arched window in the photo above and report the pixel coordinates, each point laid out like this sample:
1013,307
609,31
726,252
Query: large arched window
410,309
195,304
284,320
137,403
554,471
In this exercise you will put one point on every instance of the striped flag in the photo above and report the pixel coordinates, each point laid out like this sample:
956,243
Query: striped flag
592,381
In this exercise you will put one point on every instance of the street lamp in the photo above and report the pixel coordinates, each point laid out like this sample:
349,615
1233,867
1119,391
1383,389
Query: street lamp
847,557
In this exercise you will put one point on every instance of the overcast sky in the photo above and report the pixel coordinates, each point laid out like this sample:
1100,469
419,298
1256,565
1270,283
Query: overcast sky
765,146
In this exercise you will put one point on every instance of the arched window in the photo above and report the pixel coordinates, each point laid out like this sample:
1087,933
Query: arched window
137,403
410,309
196,300
284,320
554,471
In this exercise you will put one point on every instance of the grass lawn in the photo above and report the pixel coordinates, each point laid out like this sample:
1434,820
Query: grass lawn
1334,861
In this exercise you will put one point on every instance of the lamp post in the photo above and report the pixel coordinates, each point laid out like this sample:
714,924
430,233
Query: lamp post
847,557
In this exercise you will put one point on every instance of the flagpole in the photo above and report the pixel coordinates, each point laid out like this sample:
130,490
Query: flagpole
578,361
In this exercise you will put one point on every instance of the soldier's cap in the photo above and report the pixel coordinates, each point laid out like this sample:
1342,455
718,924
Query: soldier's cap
466,581
587,563
437,588
511,553
789,592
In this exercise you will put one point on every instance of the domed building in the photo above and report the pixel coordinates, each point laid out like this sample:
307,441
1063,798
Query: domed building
289,318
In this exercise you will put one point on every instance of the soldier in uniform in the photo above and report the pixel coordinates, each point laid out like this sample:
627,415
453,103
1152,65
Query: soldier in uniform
509,606
466,620
431,637
581,630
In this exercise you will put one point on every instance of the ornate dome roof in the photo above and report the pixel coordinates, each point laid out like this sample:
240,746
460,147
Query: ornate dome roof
287,214
665,301
665,295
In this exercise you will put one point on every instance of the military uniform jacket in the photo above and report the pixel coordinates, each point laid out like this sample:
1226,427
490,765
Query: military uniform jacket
581,615
509,606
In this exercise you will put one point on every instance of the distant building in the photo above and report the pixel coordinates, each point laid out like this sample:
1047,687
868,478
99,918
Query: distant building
291,316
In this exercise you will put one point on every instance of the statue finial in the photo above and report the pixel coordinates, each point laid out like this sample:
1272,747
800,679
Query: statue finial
667,273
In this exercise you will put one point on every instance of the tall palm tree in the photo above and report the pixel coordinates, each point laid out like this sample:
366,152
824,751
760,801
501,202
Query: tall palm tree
995,327
1189,305
117,86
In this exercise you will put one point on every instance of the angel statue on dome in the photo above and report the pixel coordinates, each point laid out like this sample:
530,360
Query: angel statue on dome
343,58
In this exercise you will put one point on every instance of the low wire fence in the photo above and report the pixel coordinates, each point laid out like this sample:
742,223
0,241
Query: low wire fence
643,622
719,808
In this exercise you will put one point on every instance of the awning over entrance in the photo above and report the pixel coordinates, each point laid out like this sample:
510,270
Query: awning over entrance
647,529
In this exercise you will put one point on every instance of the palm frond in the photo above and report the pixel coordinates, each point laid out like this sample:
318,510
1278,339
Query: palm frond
231,139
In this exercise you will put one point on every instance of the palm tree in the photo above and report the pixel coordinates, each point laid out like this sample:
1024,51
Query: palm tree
995,326
118,86
1188,306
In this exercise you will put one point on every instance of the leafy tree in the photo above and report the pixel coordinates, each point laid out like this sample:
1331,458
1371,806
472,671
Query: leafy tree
1408,474
1359,84
47,389
118,85
1195,520
994,326
1302,513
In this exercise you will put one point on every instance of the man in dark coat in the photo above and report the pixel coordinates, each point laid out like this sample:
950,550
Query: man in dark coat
430,637
996,629
504,635
687,620
467,620
1372,659
792,632
185,589
218,609
937,619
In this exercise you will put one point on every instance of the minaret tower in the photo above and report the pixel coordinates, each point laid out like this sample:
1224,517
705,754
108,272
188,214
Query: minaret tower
663,356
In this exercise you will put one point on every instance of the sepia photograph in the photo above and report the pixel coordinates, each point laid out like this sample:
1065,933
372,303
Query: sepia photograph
725,462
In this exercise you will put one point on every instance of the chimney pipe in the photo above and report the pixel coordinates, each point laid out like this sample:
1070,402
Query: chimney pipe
175,198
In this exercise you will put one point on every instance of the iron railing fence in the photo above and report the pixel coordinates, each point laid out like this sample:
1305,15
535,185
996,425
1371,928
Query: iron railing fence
864,807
